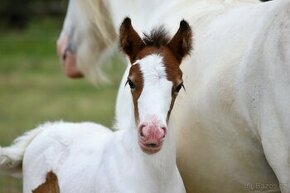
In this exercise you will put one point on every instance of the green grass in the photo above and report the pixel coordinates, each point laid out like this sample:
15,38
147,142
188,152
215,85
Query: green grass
34,90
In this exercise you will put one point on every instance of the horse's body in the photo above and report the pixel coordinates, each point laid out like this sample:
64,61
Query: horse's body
236,122
232,126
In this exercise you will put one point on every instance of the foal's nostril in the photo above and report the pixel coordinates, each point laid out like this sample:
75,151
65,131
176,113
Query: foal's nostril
164,131
141,133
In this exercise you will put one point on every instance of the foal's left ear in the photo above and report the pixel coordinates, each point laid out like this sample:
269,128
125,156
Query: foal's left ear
130,41
181,43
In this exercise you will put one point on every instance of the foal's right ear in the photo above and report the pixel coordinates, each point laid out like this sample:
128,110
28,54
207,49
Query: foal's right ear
130,41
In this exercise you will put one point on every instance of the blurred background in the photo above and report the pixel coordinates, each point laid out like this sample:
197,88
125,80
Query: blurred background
33,88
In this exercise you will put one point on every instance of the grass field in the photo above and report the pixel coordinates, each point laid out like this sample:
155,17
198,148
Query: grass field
33,88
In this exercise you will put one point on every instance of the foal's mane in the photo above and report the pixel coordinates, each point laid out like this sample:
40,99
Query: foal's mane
157,37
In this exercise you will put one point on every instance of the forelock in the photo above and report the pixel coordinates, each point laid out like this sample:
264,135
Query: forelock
157,37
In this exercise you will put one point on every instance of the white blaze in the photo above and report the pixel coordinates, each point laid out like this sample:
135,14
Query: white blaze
155,98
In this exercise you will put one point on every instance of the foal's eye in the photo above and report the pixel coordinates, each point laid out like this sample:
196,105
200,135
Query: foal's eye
178,87
131,84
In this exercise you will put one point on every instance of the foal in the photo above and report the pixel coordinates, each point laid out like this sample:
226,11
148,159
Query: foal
89,158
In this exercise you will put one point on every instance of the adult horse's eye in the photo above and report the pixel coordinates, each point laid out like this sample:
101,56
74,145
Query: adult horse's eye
178,87
131,84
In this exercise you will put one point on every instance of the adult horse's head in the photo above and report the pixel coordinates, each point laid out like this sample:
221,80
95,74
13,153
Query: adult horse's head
154,78
86,35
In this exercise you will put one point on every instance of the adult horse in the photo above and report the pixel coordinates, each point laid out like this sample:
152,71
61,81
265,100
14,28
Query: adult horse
232,126
233,132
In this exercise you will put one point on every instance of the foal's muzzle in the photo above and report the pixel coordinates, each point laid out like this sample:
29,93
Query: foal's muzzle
151,137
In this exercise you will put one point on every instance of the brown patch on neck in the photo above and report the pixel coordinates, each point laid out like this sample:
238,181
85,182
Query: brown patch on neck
49,186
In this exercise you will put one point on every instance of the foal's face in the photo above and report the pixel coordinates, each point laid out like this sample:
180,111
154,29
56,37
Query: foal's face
154,85
154,79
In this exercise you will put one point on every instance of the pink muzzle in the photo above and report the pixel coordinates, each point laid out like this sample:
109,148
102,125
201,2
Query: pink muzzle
68,59
151,137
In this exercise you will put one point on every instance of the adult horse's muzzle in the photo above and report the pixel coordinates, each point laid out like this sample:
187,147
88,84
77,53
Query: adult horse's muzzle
151,137
68,58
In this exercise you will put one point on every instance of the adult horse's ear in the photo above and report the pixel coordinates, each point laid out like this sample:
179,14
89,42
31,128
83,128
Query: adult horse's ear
181,43
130,41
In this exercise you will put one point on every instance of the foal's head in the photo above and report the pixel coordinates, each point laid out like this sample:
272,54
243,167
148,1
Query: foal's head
154,78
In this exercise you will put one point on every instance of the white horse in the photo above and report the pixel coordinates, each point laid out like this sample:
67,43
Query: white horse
232,126
88,157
